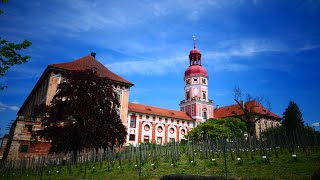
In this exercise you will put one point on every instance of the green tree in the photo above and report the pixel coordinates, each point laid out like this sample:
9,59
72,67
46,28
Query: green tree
292,117
82,115
9,55
219,128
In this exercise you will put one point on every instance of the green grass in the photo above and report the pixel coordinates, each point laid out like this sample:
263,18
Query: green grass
282,167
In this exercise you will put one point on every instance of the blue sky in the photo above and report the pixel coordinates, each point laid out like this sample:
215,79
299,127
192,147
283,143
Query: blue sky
266,47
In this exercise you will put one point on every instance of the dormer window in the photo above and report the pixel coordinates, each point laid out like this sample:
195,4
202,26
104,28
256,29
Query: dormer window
195,79
94,69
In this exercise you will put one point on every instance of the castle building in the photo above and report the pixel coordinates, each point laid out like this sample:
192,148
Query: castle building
144,123
18,142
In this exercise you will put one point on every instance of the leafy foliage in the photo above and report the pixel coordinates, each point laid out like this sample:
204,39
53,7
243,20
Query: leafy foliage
3,1
83,114
280,130
219,128
9,55
292,117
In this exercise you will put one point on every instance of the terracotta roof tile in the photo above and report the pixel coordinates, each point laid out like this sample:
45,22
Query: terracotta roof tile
227,111
88,62
146,109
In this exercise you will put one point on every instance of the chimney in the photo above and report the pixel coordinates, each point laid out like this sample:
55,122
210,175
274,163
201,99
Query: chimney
93,54
217,106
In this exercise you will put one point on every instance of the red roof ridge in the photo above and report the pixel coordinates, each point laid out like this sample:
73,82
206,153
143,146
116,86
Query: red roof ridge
88,62
227,111
147,109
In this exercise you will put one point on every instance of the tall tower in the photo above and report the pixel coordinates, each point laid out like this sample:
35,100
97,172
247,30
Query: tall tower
196,102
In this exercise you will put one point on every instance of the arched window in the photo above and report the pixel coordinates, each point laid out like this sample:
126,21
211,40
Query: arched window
204,115
183,132
171,130
204,95
160,129
147,127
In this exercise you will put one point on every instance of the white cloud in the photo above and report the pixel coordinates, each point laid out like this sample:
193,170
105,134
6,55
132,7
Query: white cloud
21,72
307,47
316,124
150,66
84,15
4,107
223,57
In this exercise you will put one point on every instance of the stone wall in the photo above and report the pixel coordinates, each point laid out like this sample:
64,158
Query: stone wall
263,124
21,135
124,107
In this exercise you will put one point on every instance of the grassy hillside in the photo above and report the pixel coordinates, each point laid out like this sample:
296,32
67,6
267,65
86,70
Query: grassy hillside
250,165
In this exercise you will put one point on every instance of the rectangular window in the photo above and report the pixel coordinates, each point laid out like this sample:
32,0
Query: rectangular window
133,122
187,95
24,148
195,79
259,123
204,115
159,140
266,124
132,137
146,139
204,95
29,128
171,139
118,95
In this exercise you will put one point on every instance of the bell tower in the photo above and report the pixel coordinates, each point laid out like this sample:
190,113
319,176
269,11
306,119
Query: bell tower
196,102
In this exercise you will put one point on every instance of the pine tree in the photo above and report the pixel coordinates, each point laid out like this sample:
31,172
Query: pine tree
292,117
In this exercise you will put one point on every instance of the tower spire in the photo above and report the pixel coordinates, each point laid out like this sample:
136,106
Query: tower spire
194,42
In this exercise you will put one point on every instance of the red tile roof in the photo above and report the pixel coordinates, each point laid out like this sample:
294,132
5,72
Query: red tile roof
227,111
146,109
89,62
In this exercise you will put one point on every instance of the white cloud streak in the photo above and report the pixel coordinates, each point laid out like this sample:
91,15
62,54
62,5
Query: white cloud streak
224,57
84,15
227,53
149,67
4,107
316,124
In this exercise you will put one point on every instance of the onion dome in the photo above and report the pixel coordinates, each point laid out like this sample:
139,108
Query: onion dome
194,51
196,70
